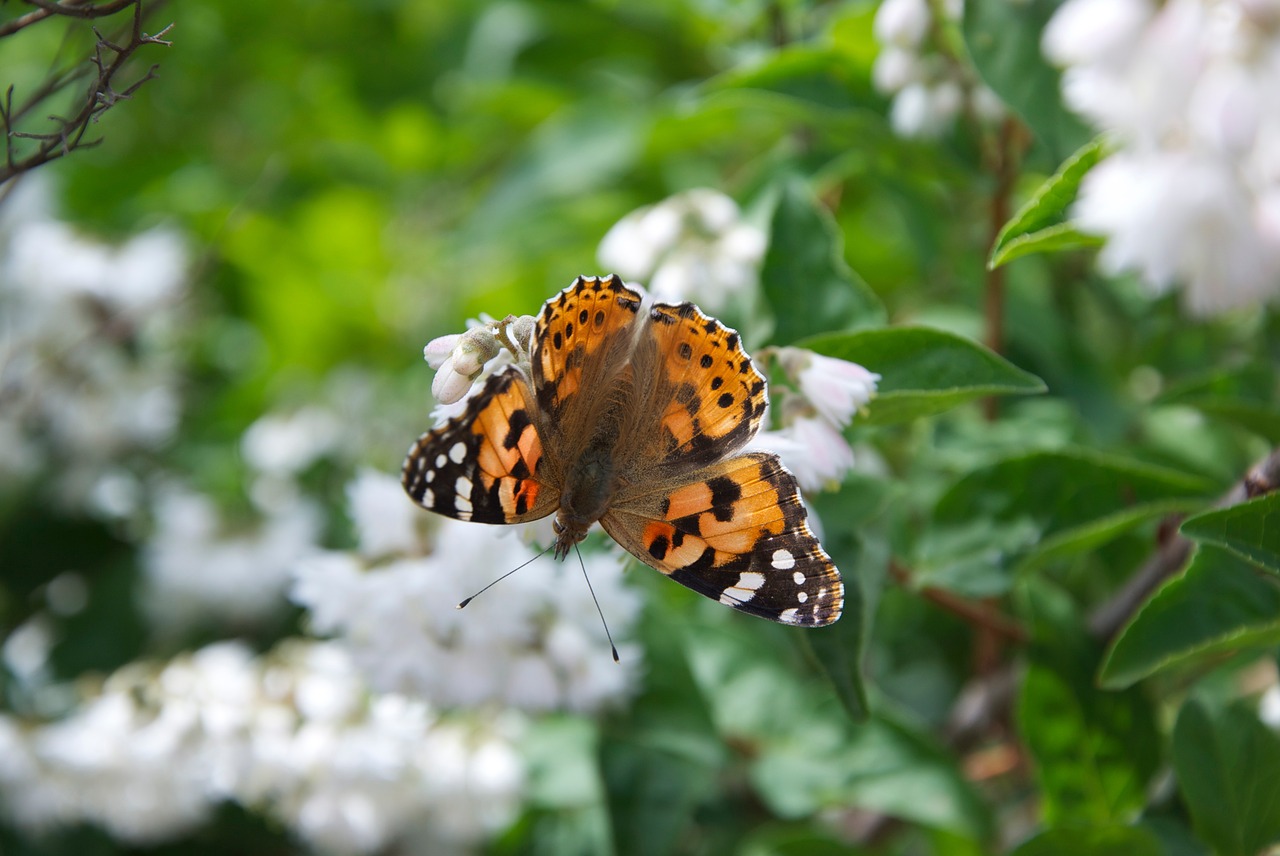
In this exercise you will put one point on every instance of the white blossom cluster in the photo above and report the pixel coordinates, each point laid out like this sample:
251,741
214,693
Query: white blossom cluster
88,357
294,734
1189,93
825,394
929,88
536,642
693,245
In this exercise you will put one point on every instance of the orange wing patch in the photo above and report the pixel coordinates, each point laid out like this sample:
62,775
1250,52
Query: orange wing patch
717,397
572,330
738,533
486,464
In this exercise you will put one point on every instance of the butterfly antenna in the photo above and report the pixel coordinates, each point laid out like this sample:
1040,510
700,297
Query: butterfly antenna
613,648
501,578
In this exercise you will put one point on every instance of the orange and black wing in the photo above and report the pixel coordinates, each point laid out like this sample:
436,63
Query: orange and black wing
485,465
736,532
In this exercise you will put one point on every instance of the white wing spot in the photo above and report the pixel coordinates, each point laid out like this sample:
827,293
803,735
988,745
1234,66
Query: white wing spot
431,476
748,583
802,596
822,594
462,487
783,560
441,460
428,497
458,452
788,616
798,577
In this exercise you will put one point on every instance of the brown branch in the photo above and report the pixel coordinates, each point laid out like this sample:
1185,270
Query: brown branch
1173,551
69,133
981,615
66,9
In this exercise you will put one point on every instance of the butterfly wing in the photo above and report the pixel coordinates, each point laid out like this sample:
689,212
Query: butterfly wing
582,339
735,531
485,465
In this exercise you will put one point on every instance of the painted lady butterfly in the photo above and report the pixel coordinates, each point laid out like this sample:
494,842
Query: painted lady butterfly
633,415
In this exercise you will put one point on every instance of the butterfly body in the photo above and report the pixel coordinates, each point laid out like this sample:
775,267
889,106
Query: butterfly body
633,414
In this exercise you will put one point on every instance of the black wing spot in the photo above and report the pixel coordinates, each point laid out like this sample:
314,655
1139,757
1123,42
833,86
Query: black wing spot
686,352
519,421
599,317
733,340
685,393
724,493
557,341
582,316
725,399
664,506
706,361
658,549
568,331
717,382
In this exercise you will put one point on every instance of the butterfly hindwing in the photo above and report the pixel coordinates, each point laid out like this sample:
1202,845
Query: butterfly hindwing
484,465
736,532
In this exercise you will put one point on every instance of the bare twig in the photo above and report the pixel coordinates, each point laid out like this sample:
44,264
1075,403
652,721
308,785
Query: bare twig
1173,551
108,59
978,613
67,9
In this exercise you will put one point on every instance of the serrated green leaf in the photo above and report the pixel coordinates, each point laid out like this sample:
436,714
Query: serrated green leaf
1095,841
1039,225
1250,530
1219,604
925,371
805,266
1226,763
1004,41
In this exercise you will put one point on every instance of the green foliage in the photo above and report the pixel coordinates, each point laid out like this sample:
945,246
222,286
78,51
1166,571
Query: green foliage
1039,226
356,179
924,371
1226,761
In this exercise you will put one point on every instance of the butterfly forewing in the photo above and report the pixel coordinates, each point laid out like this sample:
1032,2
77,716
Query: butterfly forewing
486,464
713,398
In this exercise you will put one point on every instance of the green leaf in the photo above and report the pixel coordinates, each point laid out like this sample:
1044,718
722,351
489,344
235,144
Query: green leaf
1039,226
1219,604
880,766
805,267
1004,40
1095,841
925,371
837,650
821,76
1226,763
1068,493
1250,530
1094,751
1243,396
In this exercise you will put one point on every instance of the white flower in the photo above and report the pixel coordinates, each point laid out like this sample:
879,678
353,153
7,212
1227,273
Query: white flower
401,622
1190,93
194,570
835,388
813,450
384,517
930,90
691,246
294,734
902,23
286,444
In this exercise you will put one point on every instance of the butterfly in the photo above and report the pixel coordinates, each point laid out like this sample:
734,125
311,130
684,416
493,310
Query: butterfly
634,414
